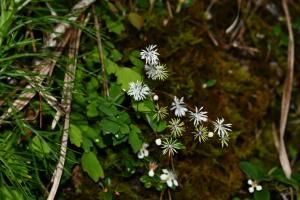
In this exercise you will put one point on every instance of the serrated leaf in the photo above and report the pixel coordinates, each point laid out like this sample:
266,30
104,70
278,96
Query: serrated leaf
111,67
134,139
109,126
262,195
92,110
92,166
136,20
75,135
126,75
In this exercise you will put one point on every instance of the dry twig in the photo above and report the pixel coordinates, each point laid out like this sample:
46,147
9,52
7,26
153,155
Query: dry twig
100,53
286,96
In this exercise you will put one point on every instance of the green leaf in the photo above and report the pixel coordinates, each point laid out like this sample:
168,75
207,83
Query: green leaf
116,55
252,171
108,126
92,166
92,110
10,194
262,195
279,175
75,135
111,67
134,139
141,106
39,145
126,75
136,20
136,61
87,144
115,26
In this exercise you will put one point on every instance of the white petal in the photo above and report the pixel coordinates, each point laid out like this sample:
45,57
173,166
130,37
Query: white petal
145,145
251,189
170,183
165,171
140,155
258,187
151,173
175,182
146,153
250,182
163,177
158,142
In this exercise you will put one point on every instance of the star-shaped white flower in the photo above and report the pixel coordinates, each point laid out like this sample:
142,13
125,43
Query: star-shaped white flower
138,90
150,55
143,151
179,107
198,116
220,128
169,177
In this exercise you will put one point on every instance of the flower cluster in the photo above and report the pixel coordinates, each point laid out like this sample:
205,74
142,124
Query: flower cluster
182,116
153,68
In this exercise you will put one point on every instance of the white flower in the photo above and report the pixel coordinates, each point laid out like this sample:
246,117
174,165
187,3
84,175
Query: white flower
150,55
220,128
138,90
143,151
158,142
150,70
179,107
169,177
198,116
176,126
156,72
170,146
152,168
253,186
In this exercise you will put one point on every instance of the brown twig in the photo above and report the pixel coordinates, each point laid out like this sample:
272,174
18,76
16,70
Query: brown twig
100,53
287,91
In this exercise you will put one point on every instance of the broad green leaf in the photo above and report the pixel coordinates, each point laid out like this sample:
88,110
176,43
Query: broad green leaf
75,135
108,126
116,55
143,106
108,108
111,67
252,171
136,61
155,125
136,20
262,195
279,175
92,110
134,139
87,144
40,145
92,166
126,75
